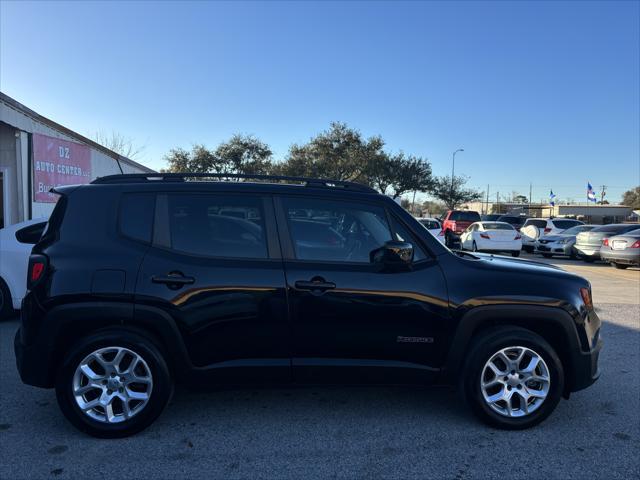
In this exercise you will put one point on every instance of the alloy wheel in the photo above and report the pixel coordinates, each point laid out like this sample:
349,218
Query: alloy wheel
112,384
515,381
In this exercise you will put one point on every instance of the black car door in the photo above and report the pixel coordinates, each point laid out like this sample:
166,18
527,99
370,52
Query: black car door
215,268
351,321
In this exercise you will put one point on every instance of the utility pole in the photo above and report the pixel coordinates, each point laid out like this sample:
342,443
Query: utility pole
487,212
498,202
529,207
453,170
603,192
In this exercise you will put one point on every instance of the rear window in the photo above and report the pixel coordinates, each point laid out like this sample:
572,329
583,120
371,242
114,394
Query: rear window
564,224
615,229
537,223
511,220
497,226
136,216
465,216
429,224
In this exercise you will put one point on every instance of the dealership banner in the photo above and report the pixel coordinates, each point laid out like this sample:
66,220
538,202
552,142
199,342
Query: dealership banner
58,162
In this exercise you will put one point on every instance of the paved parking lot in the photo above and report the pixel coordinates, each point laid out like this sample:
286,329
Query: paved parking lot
348,432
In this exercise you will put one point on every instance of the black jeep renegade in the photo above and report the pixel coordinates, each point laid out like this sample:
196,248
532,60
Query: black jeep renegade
141,281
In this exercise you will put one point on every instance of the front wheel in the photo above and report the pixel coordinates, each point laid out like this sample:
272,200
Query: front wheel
113,384
515,253
547,255
513,379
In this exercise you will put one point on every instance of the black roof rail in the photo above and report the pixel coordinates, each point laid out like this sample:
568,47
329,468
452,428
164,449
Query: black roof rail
182,177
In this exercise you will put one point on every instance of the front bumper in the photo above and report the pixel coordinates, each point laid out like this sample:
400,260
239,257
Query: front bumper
555,248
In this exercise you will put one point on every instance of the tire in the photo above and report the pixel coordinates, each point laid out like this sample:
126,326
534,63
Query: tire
547,255
143,412
527,249
6,304
484,349
448,239
515,253
589,259
621,266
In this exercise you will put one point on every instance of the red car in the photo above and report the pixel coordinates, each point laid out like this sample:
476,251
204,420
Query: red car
455,222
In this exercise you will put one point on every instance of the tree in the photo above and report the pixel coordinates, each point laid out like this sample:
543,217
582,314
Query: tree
453,194
520,199
240,154
631,198
119,143
399,173
340,153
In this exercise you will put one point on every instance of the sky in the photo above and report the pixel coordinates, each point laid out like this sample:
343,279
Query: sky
541,93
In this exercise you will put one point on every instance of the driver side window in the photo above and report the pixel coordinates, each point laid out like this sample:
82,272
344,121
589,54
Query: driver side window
333,231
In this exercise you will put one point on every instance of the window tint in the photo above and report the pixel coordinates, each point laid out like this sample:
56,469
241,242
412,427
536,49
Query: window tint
465,216
136,215
577,229
537,223
497,226
430,224
513,220
335,231
403,235
616,228
217,225
564,224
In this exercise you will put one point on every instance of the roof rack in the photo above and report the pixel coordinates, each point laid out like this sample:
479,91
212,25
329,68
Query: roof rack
182,177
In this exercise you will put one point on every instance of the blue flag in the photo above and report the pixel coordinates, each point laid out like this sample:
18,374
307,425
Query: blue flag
591,195
552,199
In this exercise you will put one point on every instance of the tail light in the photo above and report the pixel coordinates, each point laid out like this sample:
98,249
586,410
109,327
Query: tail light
605,242
636,244
518,237
37,270
547,230
585,293
484,235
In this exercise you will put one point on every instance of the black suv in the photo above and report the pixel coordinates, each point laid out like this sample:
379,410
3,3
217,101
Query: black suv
139,281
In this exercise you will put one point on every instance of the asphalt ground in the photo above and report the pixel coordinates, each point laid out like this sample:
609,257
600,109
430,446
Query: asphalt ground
348,432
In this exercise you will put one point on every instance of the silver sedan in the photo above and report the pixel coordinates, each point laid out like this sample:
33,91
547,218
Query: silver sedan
560,243
622,251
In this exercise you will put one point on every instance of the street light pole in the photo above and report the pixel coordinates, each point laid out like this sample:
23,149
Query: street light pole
453,170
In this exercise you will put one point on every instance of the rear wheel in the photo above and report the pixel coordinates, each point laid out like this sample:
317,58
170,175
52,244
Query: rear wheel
113,384
547,255
589,259
621,266
513,379
515,253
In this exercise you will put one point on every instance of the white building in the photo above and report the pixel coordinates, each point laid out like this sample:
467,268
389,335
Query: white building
37,153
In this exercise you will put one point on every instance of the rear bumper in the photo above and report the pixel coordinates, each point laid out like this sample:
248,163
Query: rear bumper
590,251
31,365
627,256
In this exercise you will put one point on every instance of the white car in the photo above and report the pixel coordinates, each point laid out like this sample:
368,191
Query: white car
491,237
16,242
434,226
535,228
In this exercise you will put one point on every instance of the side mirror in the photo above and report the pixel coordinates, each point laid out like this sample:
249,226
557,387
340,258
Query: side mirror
393,254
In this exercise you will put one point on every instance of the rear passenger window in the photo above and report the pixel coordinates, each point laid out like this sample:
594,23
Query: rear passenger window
136,215
217,225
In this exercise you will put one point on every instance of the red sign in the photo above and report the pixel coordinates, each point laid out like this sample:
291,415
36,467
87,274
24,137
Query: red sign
58,162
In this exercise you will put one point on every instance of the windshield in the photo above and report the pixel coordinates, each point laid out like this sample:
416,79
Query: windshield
564,224
577,229
615,229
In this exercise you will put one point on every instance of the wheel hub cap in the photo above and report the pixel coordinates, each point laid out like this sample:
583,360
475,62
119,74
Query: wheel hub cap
112,384
515,381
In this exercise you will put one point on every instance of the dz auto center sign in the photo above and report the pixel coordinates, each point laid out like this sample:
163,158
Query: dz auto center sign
58,162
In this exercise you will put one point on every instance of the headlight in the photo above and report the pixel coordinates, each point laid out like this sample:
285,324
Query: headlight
566,240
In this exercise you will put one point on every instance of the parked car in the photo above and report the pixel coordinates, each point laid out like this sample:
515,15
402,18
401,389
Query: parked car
534,228
516,221
434,226
16,242
588,243
560,243
622,251
491,217
492,237
125,301
455,222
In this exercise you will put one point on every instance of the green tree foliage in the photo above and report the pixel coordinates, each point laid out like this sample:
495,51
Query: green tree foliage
240,154
453,194
631,198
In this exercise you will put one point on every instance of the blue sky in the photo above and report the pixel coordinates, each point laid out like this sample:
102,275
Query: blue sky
544,92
